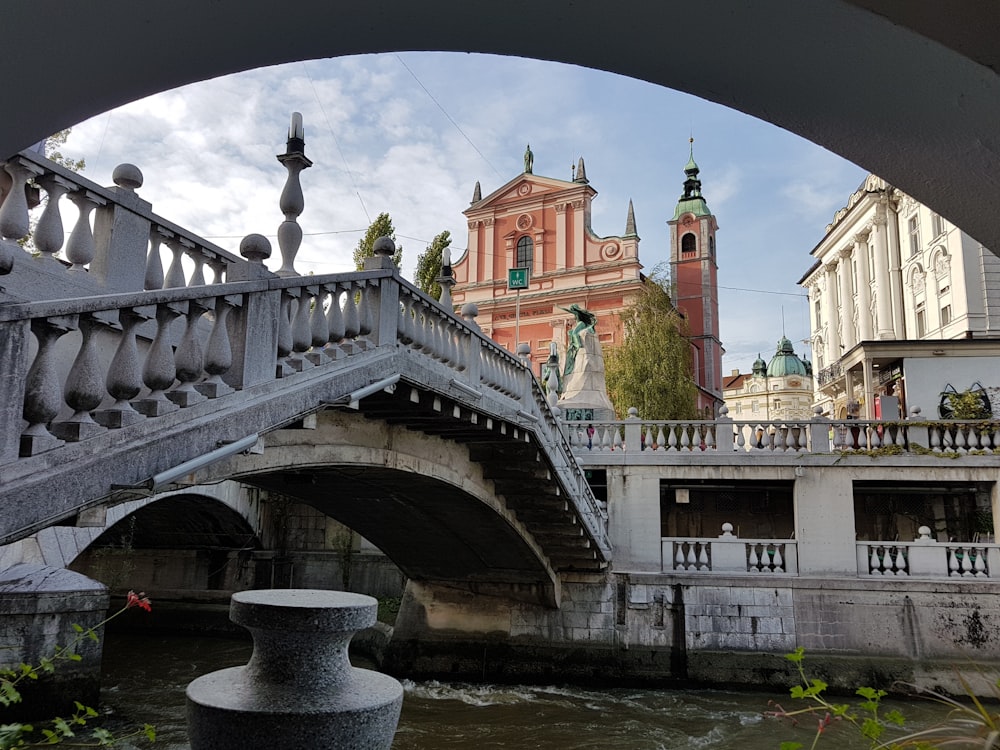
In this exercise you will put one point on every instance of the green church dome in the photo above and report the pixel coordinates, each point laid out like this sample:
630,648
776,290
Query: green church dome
786,362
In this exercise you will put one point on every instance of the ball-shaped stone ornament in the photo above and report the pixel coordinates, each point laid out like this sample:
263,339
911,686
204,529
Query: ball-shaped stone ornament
384,246
470,310
256,248
127,176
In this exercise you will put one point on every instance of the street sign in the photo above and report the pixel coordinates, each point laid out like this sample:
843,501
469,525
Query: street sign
517,278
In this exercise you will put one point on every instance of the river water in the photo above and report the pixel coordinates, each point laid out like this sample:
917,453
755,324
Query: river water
145,677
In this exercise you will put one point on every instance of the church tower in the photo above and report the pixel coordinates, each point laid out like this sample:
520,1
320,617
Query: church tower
694,277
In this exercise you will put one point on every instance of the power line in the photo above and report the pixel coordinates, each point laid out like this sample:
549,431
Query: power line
450,119
329,127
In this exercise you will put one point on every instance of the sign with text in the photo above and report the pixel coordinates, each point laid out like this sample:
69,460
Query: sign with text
517,278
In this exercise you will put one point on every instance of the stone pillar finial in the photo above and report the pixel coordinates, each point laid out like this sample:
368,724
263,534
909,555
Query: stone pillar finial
292,202
256,248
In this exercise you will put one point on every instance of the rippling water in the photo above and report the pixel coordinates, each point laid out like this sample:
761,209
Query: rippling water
145,678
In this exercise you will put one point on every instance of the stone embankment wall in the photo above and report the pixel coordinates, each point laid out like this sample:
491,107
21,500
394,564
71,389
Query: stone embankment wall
719,631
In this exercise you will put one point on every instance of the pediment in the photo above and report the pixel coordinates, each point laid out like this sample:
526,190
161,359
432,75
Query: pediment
526,188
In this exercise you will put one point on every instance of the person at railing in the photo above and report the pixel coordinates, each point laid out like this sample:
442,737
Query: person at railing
590,436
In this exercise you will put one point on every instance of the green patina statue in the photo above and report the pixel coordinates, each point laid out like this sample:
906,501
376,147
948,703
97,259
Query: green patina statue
585,320
529,160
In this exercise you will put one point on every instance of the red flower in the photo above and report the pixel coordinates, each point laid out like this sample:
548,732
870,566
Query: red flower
138,600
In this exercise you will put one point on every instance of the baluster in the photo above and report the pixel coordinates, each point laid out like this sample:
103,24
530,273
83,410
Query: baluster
961,442
292,201
703,556
175,273
672,437
710,438
605,437
954,566
219,352
159,370
84,387
791,440
301,335
935,438
124,380
875,562
646,439
966,560
319,332
741,442
352,322
48,235
679,558
780,434
404,329
189,358
218,270
459,336
874,441
198,275
753,559
778,561
80,248
154,265
335,322
979,567
42,392
685,442
282,368
14,221
616,439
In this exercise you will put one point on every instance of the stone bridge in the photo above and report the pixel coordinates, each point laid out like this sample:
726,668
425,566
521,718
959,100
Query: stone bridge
354,393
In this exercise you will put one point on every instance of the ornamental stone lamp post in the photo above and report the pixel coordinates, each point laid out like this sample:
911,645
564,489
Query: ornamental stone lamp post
298,690
292,202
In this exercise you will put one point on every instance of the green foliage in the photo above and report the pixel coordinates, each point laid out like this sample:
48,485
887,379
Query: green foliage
968,725
388,608
60,730
381,227
967,404
429,265
54,143
651,370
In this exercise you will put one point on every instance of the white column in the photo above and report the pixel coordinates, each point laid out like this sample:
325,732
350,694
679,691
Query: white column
865,322
846,299
883,289
895,274
831,313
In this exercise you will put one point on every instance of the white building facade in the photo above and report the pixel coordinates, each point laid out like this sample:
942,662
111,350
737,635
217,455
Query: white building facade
780,390
889,269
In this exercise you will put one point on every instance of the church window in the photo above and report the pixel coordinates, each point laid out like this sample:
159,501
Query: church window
525,252
818,308
711,246
914,228
688,243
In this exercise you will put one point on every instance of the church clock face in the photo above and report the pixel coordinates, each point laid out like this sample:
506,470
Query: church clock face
524,222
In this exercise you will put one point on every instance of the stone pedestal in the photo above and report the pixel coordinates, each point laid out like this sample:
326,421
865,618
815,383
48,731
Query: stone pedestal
299,690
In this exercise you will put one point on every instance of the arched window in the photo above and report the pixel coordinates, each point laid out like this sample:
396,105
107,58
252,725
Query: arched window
525,252
688,243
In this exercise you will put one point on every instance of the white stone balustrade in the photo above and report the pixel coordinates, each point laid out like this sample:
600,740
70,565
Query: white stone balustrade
926,558
115,242
788,438
729,555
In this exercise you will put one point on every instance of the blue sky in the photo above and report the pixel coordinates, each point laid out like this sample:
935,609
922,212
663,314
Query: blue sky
411,133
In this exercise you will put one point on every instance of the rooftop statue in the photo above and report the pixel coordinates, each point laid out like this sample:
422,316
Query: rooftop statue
585,320
529,159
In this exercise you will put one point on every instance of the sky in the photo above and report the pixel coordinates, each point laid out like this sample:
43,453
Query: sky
411,133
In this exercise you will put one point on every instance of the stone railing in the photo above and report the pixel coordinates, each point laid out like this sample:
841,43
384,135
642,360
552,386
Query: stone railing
787,437
729,555
116,240
927,558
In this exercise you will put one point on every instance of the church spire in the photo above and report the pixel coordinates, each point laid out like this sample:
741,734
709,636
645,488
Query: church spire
581,173
691,201
630,221
477,194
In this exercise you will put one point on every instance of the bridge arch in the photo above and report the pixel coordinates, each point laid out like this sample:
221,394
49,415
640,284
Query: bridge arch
419,498
850,75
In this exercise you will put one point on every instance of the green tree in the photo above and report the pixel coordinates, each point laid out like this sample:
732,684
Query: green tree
651,370
429,265
54,143
381,227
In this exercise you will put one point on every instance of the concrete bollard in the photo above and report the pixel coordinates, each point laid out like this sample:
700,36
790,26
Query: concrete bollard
298,690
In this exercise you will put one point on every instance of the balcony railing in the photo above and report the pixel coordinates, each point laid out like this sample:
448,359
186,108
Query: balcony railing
729,555
795,437
926,558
